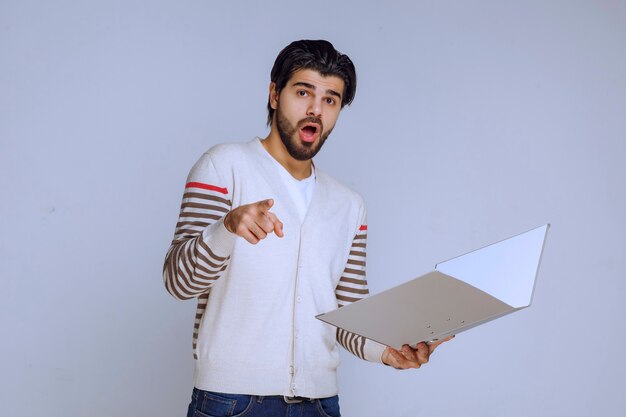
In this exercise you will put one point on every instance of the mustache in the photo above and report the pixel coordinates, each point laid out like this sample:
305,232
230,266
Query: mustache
311,119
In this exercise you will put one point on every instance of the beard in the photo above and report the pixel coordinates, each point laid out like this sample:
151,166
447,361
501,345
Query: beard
301,151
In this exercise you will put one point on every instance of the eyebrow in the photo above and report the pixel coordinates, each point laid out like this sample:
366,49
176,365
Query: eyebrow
312,87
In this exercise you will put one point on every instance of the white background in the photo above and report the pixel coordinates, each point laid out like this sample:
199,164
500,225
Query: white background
473,121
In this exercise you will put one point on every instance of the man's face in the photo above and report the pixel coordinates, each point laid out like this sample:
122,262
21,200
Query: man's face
306,111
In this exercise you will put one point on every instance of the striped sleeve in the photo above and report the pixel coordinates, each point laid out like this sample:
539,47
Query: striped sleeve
353,287
201,247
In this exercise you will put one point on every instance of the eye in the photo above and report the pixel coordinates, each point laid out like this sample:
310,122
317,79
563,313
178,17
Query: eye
302,93
330,100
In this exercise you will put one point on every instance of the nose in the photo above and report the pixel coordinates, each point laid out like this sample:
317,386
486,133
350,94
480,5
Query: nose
315,108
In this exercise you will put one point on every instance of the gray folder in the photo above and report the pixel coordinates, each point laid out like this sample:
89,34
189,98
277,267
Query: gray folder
459,294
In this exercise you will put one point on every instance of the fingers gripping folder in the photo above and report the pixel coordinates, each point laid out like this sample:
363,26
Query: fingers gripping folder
459,294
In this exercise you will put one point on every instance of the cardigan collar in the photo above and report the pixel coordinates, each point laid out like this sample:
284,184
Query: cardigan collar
276,182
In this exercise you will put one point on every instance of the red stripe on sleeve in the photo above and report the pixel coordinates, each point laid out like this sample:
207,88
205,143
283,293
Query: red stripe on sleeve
363,227
206,187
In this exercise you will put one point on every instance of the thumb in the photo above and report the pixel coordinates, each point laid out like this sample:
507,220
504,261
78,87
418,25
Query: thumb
265,205
433,346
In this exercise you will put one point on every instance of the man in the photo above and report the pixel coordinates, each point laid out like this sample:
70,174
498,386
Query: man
266,241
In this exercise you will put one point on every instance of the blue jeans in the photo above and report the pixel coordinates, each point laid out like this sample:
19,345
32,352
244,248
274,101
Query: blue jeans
217,404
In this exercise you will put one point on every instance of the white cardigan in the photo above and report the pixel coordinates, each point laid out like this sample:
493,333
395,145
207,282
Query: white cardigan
256,331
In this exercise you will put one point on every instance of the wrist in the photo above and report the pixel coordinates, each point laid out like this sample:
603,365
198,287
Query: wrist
384,357
227,224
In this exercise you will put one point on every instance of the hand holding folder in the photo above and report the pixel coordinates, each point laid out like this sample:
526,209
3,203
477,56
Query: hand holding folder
461,293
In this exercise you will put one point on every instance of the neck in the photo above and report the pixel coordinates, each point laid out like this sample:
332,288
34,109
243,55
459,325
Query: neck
276,148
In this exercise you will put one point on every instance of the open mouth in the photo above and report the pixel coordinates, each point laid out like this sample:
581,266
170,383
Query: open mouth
309,132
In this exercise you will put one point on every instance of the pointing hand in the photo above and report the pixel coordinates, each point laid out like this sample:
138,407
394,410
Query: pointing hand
254,222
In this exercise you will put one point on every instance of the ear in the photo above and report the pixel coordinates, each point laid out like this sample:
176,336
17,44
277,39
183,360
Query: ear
273,96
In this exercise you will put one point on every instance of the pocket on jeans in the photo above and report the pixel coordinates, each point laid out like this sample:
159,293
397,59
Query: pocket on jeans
215,404
329,407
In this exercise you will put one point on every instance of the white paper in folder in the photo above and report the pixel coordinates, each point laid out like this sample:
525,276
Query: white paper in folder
459,294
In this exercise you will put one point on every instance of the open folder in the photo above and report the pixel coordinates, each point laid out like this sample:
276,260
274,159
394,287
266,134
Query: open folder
459,294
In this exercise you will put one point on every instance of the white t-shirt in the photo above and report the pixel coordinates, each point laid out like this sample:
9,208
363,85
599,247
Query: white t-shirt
301,191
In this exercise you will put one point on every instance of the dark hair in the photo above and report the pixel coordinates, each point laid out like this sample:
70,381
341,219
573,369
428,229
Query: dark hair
320,56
